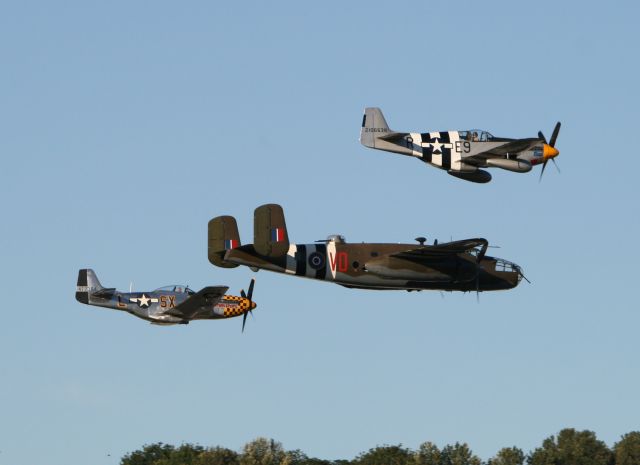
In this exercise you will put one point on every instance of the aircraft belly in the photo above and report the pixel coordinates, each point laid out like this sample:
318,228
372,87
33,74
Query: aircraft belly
370,281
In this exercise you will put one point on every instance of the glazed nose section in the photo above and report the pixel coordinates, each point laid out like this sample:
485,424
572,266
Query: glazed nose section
549,152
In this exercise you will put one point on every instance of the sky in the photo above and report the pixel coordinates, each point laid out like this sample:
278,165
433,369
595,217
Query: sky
127,126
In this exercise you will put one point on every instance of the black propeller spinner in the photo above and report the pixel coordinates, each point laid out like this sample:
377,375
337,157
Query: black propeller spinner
551,143
248,296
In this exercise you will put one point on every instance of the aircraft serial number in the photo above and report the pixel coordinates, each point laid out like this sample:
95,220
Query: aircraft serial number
167,301
463,146
376,130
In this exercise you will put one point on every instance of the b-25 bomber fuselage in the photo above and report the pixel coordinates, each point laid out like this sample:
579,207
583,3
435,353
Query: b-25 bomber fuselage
458,265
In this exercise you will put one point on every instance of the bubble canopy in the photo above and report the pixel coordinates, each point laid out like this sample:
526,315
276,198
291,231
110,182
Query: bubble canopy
476,135
176,288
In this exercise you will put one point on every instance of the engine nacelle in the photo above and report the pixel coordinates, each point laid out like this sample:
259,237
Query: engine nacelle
479,176
517,165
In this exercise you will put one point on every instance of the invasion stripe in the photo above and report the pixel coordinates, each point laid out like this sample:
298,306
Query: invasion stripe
446,152
301,260
426,151
322,250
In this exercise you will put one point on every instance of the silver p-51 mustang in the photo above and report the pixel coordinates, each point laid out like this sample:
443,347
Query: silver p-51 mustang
167,305
460,153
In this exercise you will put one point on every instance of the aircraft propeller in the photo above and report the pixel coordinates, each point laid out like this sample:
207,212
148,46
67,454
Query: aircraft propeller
248,296
552,144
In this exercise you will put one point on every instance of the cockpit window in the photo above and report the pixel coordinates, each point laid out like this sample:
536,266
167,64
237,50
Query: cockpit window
177,288
475,135
505,266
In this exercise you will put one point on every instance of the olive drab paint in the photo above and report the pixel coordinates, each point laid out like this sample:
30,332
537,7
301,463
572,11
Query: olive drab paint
457,265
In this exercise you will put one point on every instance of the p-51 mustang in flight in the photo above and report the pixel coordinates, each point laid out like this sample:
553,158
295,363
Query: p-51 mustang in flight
453,266
167,305
460,153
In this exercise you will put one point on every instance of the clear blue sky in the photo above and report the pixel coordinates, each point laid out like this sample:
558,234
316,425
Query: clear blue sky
126,126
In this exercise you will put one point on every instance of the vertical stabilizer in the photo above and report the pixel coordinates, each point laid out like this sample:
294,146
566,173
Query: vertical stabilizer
270,236
373,126
375,134
222,236
87,283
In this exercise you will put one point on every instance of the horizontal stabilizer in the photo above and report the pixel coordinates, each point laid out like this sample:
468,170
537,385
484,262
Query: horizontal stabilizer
104,293
394,136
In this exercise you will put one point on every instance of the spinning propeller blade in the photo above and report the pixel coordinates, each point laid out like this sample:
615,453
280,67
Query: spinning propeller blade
251,304
552,152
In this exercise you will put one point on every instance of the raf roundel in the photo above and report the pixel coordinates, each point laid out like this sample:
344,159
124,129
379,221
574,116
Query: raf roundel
316,261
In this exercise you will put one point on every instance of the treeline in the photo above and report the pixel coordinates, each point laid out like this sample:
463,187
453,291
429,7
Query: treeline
569,447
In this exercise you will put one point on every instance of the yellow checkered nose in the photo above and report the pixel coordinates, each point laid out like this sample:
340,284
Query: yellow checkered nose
549,152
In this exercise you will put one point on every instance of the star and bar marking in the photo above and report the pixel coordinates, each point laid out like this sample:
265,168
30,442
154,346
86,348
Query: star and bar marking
436,145
143,301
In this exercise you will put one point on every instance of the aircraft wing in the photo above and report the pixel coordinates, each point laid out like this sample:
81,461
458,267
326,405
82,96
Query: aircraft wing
207,296
513,146
444,249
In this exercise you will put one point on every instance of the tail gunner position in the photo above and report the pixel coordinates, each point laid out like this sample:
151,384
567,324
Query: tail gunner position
460,153
453,266
167,305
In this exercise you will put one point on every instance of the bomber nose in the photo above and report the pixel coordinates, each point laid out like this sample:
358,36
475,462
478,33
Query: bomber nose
549,152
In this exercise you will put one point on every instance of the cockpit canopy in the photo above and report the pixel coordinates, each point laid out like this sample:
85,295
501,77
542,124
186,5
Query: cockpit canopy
337,238
475,135
176,288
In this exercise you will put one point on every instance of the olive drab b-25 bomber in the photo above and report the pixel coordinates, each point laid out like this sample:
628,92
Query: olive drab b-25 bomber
461,153
453,266
169,305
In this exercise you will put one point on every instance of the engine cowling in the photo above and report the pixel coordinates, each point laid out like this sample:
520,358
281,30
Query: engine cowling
517,165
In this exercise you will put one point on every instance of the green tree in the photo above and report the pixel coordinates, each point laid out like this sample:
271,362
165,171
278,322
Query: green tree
217,456
627,449
385,455
149,455
458,454
295,457
572,448
508,456
427,454
186,454
262,451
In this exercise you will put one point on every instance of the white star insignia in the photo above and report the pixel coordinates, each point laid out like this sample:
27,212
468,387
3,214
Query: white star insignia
437,146
143,301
